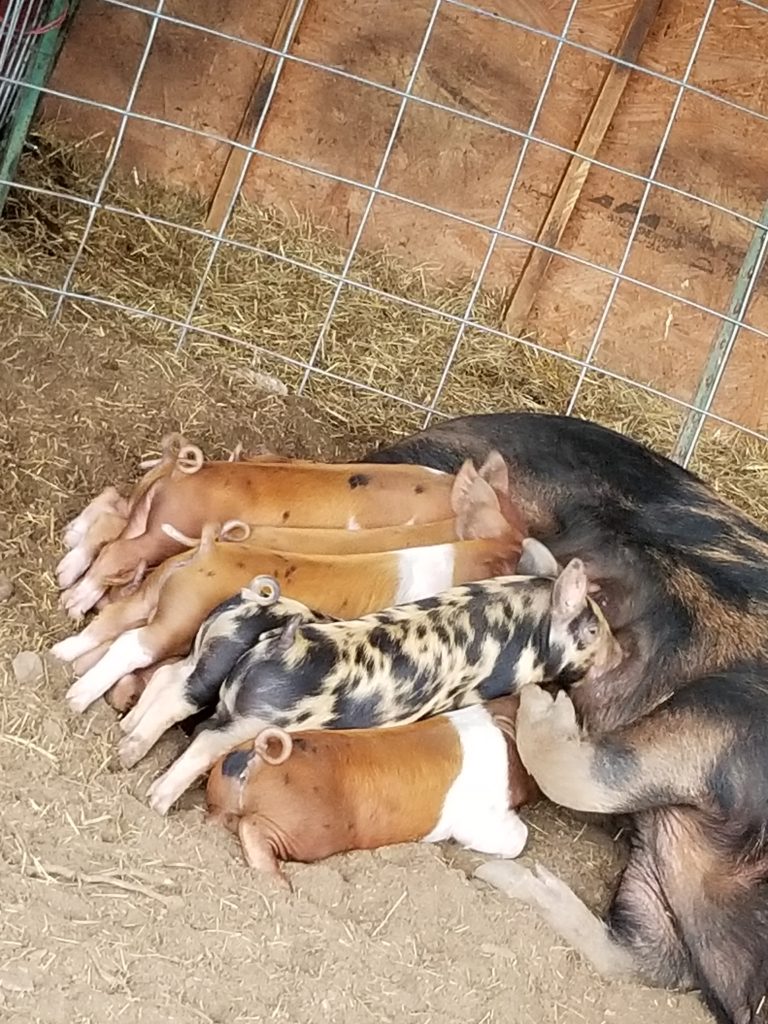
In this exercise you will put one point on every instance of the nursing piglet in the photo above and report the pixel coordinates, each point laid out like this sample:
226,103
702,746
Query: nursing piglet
455,776
190,685
470,643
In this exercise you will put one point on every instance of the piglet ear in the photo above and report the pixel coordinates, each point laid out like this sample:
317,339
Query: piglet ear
536,560
569,595
463,486
477,511
288,634
495,471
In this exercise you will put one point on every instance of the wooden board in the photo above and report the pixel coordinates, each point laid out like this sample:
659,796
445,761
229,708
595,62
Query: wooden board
495,72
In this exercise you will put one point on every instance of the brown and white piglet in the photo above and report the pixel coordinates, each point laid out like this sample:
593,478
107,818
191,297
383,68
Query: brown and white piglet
322,792
303,494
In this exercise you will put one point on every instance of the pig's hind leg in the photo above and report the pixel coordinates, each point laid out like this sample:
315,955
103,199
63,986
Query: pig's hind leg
176,695
258,850
128,613
162,704
639,767
216,738
562,909
639,937
136,649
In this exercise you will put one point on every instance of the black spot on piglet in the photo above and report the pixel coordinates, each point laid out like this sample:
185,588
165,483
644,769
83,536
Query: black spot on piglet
359,480
235,763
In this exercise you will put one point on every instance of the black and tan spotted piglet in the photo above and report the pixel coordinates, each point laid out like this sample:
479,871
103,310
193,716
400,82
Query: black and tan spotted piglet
190,687
469,644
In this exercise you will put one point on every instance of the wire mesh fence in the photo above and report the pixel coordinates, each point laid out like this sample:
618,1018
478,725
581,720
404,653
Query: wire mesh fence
732,319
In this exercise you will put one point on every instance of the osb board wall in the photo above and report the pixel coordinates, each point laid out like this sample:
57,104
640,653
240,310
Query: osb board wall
495,71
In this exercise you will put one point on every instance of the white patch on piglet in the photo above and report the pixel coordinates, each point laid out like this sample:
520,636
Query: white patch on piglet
476,810
125,655
352,523
423,572
73,647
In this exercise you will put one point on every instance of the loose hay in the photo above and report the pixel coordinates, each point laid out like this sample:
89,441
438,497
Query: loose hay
261,302
109,912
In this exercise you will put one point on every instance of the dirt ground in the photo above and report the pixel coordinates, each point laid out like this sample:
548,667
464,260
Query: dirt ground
110,913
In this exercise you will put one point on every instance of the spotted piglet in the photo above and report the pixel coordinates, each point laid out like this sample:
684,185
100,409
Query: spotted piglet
190,686
471,643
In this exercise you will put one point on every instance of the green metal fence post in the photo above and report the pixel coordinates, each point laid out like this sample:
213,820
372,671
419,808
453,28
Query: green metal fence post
44,55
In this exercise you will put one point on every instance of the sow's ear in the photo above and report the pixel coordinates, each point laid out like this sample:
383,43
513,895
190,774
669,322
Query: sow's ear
536,560
569,596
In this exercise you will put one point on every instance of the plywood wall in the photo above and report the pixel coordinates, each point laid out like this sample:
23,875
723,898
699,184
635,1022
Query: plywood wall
494,71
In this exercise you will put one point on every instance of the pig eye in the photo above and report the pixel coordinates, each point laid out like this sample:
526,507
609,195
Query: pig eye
592,629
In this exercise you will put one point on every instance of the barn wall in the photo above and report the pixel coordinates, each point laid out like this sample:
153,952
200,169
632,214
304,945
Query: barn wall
494,71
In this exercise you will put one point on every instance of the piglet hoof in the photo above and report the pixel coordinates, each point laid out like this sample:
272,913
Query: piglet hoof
68,649
65,600
74,532
161,796
68,602
78,704
76,610
71,567
131,718
131,750
81,598
79,698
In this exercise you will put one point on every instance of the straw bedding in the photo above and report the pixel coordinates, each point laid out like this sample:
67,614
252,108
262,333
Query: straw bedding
109,912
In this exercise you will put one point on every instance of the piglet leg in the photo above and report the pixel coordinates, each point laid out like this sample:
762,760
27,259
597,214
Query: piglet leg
109,501
84,595
162,704
72,566
107,528
128,613
132,650
159,684
200,756
79,644
119,560
258,850
86,662
174,696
